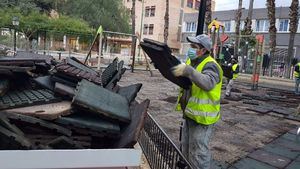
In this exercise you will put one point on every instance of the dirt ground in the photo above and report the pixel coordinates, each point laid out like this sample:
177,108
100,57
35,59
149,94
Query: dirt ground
239,132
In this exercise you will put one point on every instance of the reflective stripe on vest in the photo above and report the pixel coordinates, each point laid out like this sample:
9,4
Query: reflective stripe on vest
201,113
204,106
296,74
235,75
203,101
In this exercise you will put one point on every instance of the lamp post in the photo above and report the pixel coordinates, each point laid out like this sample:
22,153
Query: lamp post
15,23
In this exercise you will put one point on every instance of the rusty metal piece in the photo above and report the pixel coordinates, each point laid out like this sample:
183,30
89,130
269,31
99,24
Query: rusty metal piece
101,101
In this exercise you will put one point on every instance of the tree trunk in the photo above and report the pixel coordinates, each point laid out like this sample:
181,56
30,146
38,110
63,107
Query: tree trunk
293,29
272,30
237,28
247,31
208,13
166,27
133,44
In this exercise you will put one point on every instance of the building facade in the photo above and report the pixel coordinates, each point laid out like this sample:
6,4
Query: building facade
260,25
150,19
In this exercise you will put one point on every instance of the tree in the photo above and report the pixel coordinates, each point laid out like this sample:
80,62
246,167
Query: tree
208,13
272,31
293,29
247,31
34,22
133,47
111,14
166,27
237,28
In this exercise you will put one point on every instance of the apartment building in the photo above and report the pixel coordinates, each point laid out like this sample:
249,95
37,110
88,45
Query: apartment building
260,25
150,18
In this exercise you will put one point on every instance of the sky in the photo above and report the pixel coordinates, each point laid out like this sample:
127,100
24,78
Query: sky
233,4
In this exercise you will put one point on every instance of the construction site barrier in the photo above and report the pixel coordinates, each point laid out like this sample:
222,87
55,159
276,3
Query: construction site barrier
160,151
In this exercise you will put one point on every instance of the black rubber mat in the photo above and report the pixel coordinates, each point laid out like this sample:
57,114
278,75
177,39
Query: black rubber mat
84,120
163,60
130,92
101,101
24,98
109,72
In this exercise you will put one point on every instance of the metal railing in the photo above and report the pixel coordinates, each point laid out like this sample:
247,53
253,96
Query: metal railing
160,151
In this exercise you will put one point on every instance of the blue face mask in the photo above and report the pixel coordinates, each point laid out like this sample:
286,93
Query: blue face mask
192,53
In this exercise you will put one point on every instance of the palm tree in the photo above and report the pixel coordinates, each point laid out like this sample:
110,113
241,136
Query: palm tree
237,28
293,29
133,44
166,27
272,31
208,13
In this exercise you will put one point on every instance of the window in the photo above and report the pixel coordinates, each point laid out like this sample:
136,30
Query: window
227,25
283,25
189,3
147,11
148,29
150,11
151,28
145,30
197,4
262,25
190,27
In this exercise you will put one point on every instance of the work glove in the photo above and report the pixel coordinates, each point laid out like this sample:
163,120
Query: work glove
178,69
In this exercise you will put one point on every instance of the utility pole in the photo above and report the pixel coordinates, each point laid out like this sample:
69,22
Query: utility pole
201,17
141,28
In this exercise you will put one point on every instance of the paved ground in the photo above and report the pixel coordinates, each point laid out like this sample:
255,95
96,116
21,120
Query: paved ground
250,119
282,152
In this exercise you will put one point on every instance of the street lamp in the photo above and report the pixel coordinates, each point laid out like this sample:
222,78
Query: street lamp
15,22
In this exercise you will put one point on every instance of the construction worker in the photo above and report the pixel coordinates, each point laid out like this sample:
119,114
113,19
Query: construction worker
297,78
201,103
235,71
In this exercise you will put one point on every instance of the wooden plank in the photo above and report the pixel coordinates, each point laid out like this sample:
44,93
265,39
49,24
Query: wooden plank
47,111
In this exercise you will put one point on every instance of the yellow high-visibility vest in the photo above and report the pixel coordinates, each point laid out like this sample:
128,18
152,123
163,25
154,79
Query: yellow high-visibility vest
296,74
204,106
235,75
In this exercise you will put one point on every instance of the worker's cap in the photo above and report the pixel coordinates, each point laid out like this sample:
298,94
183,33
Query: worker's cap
202,39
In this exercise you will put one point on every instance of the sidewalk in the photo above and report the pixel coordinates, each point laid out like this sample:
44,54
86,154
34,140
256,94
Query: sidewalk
283,152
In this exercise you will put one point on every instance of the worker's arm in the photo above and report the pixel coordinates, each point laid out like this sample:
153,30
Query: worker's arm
297,68
206,80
